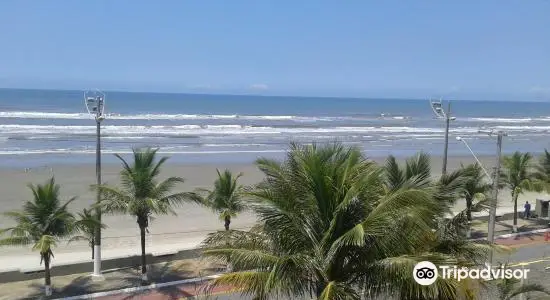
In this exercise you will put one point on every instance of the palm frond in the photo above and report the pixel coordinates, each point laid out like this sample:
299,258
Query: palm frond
334,225
395,177
114,200
196,197
528,288
141,194
451,186
248,282
238,239
418,171
244,259
16,241
45,243
337,291
175,200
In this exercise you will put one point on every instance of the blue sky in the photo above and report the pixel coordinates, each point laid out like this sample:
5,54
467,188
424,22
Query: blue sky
456,49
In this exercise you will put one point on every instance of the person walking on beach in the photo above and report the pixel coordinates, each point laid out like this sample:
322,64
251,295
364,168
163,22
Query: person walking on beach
527,212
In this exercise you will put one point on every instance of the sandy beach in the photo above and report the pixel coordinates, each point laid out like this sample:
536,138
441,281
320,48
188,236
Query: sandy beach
192,222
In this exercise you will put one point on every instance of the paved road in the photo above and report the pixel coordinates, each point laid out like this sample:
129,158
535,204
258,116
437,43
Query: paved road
526,248
531,250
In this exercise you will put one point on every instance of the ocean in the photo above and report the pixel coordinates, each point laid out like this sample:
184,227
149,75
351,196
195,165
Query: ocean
41,127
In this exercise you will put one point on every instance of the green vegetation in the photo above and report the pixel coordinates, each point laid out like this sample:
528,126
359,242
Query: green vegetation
331,223
334,225
509,289
87,223
141,194
42,222
226,199
476,186
542,170
518,176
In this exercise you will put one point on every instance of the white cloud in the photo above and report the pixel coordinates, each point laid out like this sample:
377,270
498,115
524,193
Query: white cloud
540,90
259,86
203,87
454,88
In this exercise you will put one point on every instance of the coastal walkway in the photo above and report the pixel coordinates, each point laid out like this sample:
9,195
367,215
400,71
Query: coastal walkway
122,249
533,251
185,278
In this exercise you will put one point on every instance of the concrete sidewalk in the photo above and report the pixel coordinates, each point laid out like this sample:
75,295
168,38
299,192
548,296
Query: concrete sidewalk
158,244
174,270
28,261
127,279
25,260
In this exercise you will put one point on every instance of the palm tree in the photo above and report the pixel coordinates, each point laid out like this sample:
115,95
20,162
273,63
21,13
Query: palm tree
226,197
330,227
508,289
141,194
42,222
416,173
542,169
475,186
87,224
518,177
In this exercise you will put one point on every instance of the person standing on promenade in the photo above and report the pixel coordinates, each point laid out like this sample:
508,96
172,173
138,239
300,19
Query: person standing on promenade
527,212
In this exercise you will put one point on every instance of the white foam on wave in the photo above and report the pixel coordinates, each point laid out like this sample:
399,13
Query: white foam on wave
122,137
500,120
164,130
42,115
58,115
140,131
115,116
233,145
107,151
506,120
524,128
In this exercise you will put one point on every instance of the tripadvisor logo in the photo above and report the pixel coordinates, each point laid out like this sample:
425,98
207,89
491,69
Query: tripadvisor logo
426,273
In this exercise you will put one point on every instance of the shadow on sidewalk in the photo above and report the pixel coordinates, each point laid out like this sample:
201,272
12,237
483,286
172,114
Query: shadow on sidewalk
506,226
131,277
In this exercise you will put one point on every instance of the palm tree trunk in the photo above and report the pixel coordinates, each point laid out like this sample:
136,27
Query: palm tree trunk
47,275
227,222
469,208
515,198
143,257
92,247
469,201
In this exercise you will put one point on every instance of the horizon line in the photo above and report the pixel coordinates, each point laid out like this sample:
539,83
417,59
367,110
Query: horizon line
270,96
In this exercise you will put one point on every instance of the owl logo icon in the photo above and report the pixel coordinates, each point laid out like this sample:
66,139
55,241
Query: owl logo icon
425,273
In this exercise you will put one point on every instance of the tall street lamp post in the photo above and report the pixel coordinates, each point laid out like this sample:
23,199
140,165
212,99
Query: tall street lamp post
95,104
439,111
495,182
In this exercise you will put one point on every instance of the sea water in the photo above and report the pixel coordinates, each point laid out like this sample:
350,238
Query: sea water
40,127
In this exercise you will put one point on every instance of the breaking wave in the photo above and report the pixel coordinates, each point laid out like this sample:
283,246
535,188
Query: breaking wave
199,130
112,116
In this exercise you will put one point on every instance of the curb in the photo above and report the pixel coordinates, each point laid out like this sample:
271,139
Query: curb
509,235
140,288
206,278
